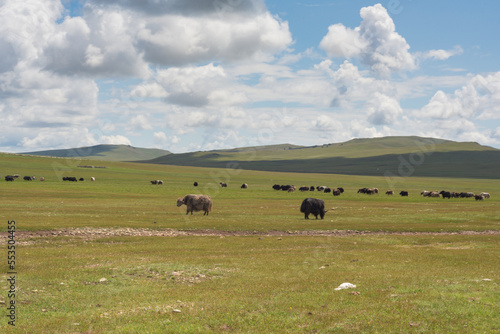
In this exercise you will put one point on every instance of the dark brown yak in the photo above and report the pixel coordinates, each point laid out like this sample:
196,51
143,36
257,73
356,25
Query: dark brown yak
196,203
313,206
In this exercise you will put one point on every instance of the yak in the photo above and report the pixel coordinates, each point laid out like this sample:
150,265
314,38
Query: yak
445,194
313,206
196,203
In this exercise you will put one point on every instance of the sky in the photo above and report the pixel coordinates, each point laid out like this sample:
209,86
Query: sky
197,75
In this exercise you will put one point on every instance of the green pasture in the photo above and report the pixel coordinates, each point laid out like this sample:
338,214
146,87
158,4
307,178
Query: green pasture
411,283
419,284
123,196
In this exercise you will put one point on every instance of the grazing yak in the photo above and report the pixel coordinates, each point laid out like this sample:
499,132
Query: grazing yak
368,191
92,179
479,197
389,192
195,184
445,194
244,186
313,206
485,195
196,203
403,193
9,178
223,184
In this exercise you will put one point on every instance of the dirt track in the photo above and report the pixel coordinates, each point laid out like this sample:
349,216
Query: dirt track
95,233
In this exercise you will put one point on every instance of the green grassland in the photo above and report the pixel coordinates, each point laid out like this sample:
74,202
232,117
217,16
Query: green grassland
434,277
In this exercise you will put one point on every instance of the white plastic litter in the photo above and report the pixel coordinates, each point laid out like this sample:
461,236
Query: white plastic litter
345,286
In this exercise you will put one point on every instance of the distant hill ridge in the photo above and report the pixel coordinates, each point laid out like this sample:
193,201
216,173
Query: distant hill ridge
386,156
105,152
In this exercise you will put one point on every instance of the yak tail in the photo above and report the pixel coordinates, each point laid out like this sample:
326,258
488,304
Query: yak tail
303,206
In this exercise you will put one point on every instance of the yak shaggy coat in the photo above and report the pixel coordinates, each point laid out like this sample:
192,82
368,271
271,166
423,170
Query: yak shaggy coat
196,203
313,206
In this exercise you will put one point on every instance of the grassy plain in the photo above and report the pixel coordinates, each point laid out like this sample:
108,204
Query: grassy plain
406,283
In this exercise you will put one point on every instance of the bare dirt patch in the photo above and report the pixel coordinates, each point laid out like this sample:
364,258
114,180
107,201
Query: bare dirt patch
97,233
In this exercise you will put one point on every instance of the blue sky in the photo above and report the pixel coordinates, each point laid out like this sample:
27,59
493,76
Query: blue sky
202,74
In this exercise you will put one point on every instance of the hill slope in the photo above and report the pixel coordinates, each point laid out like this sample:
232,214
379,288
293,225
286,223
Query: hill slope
105,152
388,156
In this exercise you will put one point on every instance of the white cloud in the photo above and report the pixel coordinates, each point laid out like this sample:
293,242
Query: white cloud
383,109
115,140
193,86
326,123
47,138
375,42
440,54
177,40
478,98
140,122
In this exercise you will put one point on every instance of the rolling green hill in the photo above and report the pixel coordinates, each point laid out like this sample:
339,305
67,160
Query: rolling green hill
388,156
105,152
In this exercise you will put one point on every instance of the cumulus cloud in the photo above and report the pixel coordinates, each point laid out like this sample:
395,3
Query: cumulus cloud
440,54
49,62
383,109
478,98
194,86
326,123
115,140
188,8
47,138
177,40
375,43
220,73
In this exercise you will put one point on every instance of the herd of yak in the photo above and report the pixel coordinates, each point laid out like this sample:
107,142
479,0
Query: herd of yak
314,206
371,191
11,178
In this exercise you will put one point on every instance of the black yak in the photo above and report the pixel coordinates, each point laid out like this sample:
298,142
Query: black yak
313,206
445,194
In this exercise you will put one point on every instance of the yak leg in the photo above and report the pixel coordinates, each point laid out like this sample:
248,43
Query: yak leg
306,216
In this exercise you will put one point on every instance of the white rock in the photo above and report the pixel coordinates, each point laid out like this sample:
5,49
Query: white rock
345,286
102,280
